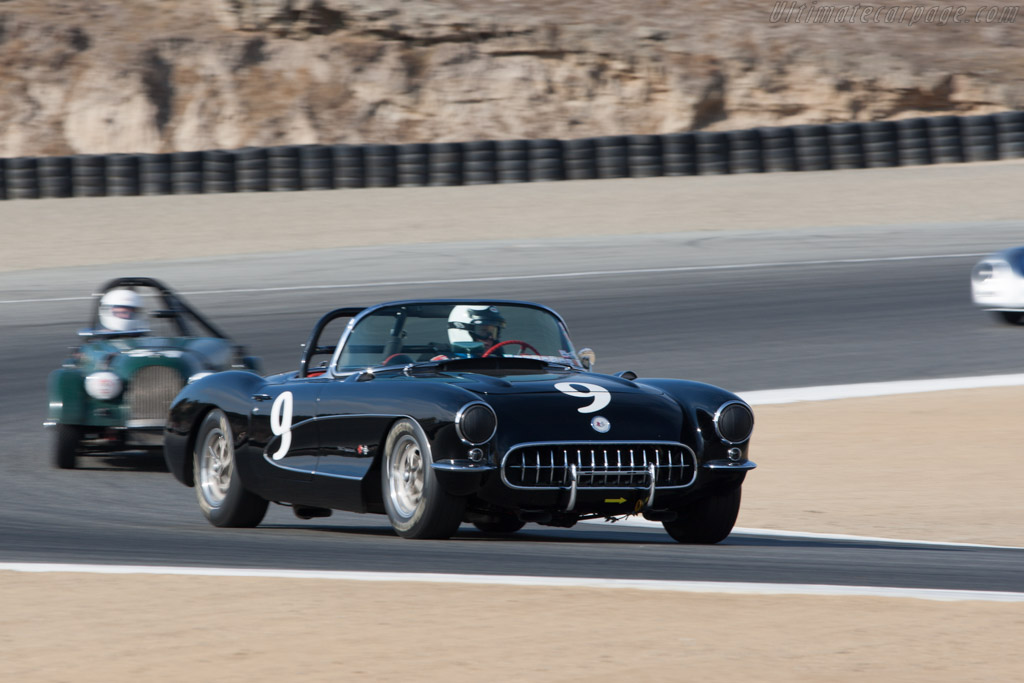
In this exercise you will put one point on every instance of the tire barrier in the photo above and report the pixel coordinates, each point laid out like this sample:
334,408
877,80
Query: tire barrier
878,140
644,156
611,156
218,171
912,142
545,160
712,153
580,159
778,149
679,154
511,161
745,155
479,162
155,174
251,170
810,143
316,168
290,168
944,139
444,163
1009,127
978,134
845,145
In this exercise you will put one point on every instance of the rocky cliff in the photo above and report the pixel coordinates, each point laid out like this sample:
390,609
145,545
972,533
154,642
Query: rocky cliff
168,75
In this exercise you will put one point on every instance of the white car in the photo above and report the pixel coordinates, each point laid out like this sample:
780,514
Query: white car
997,285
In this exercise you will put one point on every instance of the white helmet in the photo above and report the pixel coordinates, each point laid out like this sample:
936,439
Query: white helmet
121,310
474,324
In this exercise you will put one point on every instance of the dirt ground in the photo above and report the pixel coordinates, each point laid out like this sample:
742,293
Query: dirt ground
945,469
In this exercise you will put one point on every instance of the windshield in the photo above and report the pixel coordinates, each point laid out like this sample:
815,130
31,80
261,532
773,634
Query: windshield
410,333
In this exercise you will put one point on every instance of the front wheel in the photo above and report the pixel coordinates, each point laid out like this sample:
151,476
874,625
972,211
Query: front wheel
222,498
706,521
66,442
416,504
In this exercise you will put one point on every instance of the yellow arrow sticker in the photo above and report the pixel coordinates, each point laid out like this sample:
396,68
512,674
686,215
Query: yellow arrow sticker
615,500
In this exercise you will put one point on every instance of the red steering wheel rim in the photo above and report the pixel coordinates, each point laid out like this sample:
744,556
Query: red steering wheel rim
522,347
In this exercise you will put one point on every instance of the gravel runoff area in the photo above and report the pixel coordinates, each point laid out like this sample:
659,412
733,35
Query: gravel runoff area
873,475
57,233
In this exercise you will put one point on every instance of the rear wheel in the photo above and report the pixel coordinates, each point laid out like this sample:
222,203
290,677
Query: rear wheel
416,504
66,441
222,498
706,521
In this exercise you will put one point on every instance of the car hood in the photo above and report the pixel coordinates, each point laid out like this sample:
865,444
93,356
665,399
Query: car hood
575,406
203,352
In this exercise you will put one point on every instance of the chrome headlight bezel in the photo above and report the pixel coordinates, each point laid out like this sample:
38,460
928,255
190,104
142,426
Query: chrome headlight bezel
463,426
722,422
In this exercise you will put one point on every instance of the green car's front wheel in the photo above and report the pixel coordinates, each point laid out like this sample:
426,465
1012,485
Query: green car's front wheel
66,442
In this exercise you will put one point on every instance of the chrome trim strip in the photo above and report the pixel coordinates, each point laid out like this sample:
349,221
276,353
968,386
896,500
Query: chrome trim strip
653,474
728,465
454,465
718,414
572,491
458,423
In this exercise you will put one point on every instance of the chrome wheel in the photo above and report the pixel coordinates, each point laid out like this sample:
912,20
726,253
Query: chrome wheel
407,475
220,491
216,462
416,503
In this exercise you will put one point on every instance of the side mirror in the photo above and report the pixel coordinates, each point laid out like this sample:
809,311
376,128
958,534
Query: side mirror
587,357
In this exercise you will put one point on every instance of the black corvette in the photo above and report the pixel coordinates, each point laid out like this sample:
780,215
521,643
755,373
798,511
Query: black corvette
440,412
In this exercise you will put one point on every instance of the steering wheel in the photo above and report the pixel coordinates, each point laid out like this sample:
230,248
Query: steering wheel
401,359
522,347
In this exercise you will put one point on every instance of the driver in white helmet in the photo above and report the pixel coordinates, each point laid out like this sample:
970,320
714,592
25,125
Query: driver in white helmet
473,330
121,311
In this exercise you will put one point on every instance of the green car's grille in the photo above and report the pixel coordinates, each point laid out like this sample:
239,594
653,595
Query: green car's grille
150,393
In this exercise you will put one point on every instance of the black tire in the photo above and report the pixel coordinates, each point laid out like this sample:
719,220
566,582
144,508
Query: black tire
65,446
1009,317
223,499
707,521
416,504
505,524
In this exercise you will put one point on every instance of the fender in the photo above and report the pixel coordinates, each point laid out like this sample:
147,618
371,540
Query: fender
229,391
67,398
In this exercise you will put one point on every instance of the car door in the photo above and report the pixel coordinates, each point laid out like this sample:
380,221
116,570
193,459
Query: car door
352,418
284,424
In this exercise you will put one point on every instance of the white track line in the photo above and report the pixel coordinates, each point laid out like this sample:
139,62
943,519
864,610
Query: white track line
643,523
868,389
543,276
463,579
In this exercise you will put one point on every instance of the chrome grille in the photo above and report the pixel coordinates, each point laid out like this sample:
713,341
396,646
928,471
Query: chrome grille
150,393
599,465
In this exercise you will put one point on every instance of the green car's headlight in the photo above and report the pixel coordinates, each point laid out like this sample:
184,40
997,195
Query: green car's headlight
103,385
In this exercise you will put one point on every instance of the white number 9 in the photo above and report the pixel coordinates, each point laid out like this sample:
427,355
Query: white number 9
599,395
281,422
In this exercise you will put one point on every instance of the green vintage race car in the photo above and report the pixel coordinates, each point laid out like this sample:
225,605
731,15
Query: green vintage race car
144,343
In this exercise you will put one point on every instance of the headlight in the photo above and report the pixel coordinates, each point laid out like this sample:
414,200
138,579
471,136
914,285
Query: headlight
734,422
983,271
103,385
476,423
